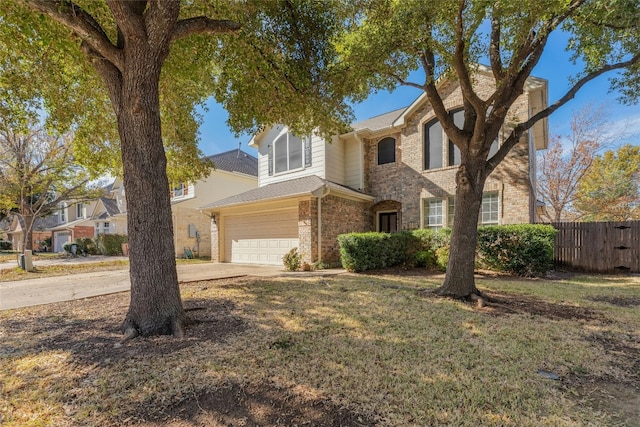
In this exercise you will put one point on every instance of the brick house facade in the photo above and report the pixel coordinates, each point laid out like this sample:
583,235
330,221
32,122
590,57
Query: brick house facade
375,178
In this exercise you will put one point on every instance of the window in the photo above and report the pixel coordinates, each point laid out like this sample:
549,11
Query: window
433,213
388,222
386,151
63,210
489,212
454,152
80,210
433,145
288,153
180,190
104,228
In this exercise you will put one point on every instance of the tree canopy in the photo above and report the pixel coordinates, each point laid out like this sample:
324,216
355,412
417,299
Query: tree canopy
130,74
569,157
446,40
610,190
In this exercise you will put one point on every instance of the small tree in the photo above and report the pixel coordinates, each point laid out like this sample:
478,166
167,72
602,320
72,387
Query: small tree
564,164
37,173
610,190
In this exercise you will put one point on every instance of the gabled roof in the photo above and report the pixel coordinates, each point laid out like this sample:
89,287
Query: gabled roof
110,206
311,185
383,121
236,161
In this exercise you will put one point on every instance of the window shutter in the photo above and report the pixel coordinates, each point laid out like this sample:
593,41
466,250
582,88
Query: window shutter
270,158
185,186
171,192
307,151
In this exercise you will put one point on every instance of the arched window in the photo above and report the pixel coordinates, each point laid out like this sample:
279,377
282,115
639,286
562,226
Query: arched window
386,151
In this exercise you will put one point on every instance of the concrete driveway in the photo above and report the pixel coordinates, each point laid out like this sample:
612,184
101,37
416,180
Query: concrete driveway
25,293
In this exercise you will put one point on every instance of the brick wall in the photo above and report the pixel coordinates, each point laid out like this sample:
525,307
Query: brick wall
83,231
308,230
407,182
215,239
341,216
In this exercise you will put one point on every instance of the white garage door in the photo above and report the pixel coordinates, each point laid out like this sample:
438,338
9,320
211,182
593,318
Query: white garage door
60,239
260,239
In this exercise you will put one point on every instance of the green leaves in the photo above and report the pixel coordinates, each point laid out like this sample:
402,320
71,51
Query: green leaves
610,191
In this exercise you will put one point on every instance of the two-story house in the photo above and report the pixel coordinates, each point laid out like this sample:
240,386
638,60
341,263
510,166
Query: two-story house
103,215
392,172
235,172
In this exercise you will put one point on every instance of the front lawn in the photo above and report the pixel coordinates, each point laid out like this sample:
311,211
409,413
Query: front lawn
349,350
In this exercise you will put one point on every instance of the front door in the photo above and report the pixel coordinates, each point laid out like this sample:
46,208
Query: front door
388,222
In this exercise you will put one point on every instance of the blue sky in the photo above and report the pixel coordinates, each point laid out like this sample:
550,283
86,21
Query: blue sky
554,66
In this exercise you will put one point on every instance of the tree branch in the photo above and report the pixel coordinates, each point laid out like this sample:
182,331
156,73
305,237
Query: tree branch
129,17
82,23
203,25
513,139
459,64
495,56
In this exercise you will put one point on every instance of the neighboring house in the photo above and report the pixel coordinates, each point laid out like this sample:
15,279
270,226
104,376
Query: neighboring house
87,219
235,172
392,172
39,235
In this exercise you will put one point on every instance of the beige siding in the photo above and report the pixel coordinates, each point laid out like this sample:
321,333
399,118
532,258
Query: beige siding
317,159
353,163
335,159
218,185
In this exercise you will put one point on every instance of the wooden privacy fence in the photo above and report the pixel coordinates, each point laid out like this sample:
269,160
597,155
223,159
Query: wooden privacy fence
601,247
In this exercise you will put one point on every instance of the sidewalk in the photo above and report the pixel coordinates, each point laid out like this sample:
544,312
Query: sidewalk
41,262
25,293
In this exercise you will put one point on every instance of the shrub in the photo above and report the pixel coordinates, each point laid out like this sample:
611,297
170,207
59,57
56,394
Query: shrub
372,251
442,257
432,242
523,249
88,245
426,258
110,244
292,260
5,245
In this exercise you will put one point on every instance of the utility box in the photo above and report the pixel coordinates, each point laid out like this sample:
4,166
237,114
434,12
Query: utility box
28,260
192,230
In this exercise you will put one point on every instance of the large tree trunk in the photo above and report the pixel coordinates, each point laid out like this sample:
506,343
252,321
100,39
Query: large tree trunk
155,307
459,280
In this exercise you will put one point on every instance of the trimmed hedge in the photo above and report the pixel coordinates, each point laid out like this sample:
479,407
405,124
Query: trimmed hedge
522,249
110,244
373,251
5,245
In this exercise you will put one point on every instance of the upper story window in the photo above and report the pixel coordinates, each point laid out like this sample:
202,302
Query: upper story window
433,145
435,139
386,151
288,153
180,190
454,152
63,213
80,210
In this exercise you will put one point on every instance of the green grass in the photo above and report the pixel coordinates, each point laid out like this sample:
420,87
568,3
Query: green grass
412,359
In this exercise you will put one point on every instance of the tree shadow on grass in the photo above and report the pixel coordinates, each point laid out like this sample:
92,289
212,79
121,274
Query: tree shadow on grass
261,405
89,329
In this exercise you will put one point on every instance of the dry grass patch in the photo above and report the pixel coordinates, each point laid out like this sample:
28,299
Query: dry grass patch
351,350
